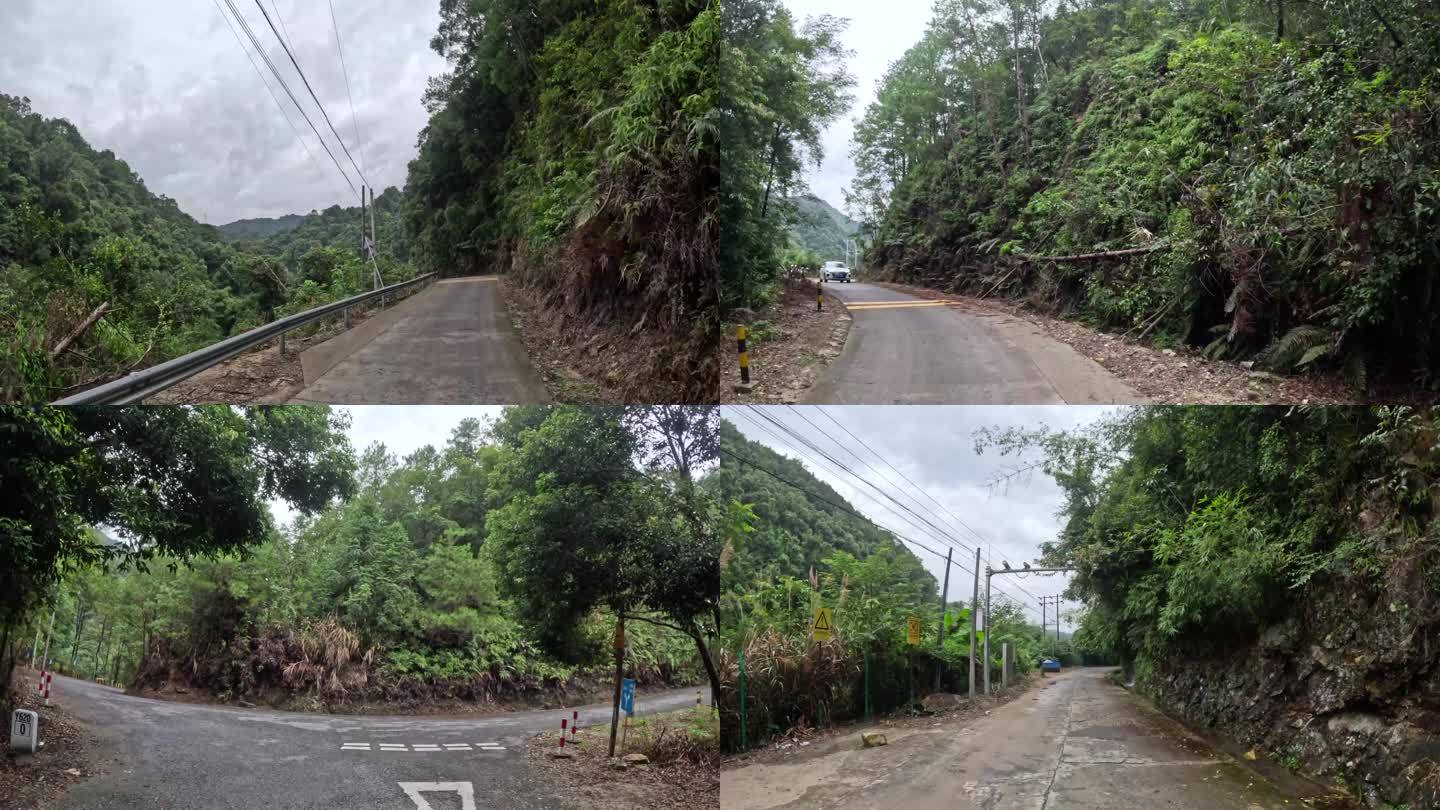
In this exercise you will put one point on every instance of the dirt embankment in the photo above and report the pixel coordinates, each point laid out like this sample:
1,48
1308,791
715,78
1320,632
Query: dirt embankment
789,343
604,363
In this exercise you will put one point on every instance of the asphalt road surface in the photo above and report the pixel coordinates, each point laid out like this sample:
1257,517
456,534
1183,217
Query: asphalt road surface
1078,743
903,349
162,755
454,346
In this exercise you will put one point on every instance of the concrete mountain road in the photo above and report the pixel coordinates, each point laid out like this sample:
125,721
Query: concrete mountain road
1075,742
159,754
449,344
904,350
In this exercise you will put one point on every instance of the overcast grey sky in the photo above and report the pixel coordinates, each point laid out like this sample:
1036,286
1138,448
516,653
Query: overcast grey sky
934,446
879,34
164,85
403,429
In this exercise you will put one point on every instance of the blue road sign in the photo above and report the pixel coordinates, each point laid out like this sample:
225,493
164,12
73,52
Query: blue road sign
627,696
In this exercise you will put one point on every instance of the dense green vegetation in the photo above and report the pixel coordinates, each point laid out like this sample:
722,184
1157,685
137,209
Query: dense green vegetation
820,229
493,566
1194,528
782,82
1271,169
79,229
259,228
787,552
290,237
574,142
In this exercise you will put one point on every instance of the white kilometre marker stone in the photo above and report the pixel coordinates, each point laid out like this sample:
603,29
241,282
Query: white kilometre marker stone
414,789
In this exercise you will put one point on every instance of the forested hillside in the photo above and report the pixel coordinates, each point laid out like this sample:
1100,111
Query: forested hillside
1271,572
434,578
1257,180
784,81
820,229
259,227
573,143
290,237
794,544
792,531
80,231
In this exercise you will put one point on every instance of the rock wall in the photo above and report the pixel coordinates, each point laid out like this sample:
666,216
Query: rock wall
1346,688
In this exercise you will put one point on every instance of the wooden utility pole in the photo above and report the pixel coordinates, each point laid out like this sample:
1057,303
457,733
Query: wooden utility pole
974,615
940,637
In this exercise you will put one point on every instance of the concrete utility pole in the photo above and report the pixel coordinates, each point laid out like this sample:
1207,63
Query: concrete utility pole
1044,602
988,573
974,611
944,603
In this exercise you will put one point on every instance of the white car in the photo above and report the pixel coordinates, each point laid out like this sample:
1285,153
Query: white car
835,271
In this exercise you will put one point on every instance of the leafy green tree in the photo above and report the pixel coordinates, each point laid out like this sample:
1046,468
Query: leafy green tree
175,482
782,83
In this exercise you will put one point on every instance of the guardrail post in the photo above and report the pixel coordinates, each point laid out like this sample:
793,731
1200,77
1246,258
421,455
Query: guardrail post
282,344
347,317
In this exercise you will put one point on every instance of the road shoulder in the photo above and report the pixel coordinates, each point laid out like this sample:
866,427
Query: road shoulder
789,344
1158,375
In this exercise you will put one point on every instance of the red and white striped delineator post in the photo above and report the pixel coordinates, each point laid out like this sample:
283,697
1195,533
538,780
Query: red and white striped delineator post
574,723
563,721
45,686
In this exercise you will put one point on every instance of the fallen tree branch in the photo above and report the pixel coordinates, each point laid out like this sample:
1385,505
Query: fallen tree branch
79,330
1087,257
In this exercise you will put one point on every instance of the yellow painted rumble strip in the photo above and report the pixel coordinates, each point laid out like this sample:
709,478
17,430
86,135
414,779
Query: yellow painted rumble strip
896,304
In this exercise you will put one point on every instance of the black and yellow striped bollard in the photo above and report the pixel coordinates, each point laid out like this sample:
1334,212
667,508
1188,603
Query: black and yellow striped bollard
744,385
818,294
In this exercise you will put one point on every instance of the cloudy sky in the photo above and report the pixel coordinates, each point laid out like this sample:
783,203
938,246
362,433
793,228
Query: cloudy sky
403,429
879,34
165,85
934,447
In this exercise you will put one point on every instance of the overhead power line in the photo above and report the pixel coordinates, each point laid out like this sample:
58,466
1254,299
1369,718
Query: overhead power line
354,121
311,90
899,537
929,526
268,89
250,34
913,489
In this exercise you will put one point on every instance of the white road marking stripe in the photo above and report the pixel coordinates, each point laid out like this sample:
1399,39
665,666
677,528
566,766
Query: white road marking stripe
457,746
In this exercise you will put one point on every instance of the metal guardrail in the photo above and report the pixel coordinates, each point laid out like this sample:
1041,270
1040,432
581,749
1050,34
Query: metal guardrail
133,388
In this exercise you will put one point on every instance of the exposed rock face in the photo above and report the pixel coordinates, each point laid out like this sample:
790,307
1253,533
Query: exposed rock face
1348,684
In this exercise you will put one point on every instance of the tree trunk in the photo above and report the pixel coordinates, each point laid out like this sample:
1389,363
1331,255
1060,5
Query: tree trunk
770,176
100,642
710,670
1024,113
82,616
1279,20
619,676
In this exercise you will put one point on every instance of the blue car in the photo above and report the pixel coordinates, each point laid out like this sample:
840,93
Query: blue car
1050,665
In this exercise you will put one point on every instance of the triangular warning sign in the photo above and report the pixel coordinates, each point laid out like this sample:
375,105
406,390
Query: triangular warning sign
821,625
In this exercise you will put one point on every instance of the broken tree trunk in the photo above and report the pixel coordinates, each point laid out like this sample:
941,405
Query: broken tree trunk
1088,257
79,330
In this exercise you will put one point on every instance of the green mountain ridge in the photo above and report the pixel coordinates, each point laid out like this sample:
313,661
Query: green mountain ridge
261,227
819,227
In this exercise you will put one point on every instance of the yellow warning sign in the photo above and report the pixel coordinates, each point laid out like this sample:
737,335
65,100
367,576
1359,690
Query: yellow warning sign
912,630
821,625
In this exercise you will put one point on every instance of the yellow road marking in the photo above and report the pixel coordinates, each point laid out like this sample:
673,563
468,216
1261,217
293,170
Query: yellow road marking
895,304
